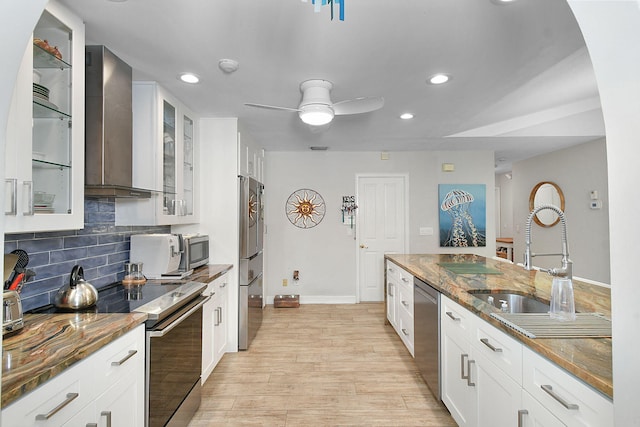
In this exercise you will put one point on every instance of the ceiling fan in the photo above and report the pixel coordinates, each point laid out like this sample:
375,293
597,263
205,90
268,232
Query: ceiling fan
316,108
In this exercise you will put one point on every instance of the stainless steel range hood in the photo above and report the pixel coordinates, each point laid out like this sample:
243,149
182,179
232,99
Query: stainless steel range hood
108,126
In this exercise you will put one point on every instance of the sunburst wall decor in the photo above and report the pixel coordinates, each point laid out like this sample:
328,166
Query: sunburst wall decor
305,208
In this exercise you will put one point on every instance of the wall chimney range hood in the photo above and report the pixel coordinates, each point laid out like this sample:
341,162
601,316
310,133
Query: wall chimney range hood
108,126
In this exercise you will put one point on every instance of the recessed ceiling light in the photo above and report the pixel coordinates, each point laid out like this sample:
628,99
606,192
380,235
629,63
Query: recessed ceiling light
438,79
228,65
406,116
189,78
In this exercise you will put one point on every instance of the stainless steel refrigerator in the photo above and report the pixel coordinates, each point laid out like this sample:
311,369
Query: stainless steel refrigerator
250,280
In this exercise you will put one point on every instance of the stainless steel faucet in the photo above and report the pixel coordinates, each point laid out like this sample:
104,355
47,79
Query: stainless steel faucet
566,269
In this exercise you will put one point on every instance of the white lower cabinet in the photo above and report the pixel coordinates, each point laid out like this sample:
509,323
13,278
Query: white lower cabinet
400,303
215,325
106,388
490,380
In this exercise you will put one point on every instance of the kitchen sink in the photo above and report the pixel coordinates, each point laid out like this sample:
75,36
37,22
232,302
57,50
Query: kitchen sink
515,302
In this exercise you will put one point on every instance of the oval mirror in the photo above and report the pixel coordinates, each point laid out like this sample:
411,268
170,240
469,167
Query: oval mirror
546,193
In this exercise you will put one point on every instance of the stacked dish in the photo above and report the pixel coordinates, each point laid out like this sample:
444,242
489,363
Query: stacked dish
43,202
41,96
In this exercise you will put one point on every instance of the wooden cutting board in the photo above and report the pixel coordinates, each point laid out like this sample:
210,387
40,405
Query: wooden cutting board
10,261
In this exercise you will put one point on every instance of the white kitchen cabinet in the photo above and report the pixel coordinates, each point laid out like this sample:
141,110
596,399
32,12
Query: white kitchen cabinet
392,294
215,325
569,399
109,381
400,303
250,159
491,379
165,159
44,164
533,414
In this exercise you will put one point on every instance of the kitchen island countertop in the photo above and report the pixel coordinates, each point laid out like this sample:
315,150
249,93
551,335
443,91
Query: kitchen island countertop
589,359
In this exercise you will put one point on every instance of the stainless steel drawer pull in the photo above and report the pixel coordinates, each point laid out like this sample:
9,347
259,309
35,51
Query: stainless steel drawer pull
404,331
486,342
549,390
92,425
389,290
70,397
462,364
124,359
108,415
404,280
406,304
521,412
223,284
450,314
469,383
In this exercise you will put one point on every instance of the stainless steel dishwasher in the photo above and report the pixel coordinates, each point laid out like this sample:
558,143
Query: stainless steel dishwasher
426,318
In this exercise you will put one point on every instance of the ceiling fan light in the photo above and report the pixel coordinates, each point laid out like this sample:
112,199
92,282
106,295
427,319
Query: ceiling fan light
316,115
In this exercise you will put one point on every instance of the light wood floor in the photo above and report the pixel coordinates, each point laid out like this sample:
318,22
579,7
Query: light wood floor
320,365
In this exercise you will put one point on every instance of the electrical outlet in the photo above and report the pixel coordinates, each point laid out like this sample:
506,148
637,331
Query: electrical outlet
285,282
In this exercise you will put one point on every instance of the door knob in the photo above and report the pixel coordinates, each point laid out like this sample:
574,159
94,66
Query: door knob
362,246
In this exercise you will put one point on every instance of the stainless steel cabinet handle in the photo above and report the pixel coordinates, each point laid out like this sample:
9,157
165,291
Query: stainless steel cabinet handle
450,314
108,415
391,269
404,331
217,310
549,390
521,412
389,289
124,359
486,342
92,425
462,363
29,207
70,397
223,284
469,363
13,204
406,304
404,280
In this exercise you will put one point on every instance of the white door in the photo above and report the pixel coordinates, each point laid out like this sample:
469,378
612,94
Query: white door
381,229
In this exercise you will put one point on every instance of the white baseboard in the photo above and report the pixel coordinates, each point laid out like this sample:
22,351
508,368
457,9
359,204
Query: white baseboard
321,299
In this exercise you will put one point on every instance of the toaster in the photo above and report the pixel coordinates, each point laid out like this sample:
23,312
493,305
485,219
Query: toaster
11,313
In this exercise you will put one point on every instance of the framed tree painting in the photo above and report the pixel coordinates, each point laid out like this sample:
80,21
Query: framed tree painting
463,215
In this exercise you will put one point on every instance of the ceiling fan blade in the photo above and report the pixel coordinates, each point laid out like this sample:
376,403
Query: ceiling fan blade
358,105
271,107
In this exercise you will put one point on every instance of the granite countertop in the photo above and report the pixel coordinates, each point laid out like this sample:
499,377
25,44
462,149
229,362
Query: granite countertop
50,343
589,359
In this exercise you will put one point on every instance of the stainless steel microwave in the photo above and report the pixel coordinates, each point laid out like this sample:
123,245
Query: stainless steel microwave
195,251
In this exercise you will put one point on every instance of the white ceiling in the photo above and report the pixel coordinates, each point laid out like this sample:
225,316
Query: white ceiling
522,81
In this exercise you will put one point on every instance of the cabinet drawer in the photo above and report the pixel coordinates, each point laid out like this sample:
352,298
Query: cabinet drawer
121,357
405,329
455,319
405,278
51,404
393,271
569,399
499,348
405,299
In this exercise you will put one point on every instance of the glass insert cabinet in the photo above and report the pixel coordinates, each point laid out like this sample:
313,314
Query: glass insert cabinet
164,157
44,166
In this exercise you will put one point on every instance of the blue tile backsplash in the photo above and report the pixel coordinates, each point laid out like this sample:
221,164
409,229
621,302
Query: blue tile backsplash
101,248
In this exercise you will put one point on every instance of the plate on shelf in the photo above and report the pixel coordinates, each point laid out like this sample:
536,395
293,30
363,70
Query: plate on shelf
45,103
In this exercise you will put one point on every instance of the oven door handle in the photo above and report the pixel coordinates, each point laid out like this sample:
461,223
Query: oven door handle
157,334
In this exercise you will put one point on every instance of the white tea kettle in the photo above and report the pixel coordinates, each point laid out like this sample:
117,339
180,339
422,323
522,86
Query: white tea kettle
78,293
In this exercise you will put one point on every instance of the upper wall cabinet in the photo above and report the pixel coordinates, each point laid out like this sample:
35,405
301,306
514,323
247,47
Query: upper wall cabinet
250,158
44,164
164,160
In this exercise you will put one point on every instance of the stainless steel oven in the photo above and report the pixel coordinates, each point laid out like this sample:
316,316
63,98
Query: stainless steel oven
174,355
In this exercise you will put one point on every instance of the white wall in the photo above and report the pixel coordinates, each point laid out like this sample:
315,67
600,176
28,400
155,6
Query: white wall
577,171
505,183
326,254
611,30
